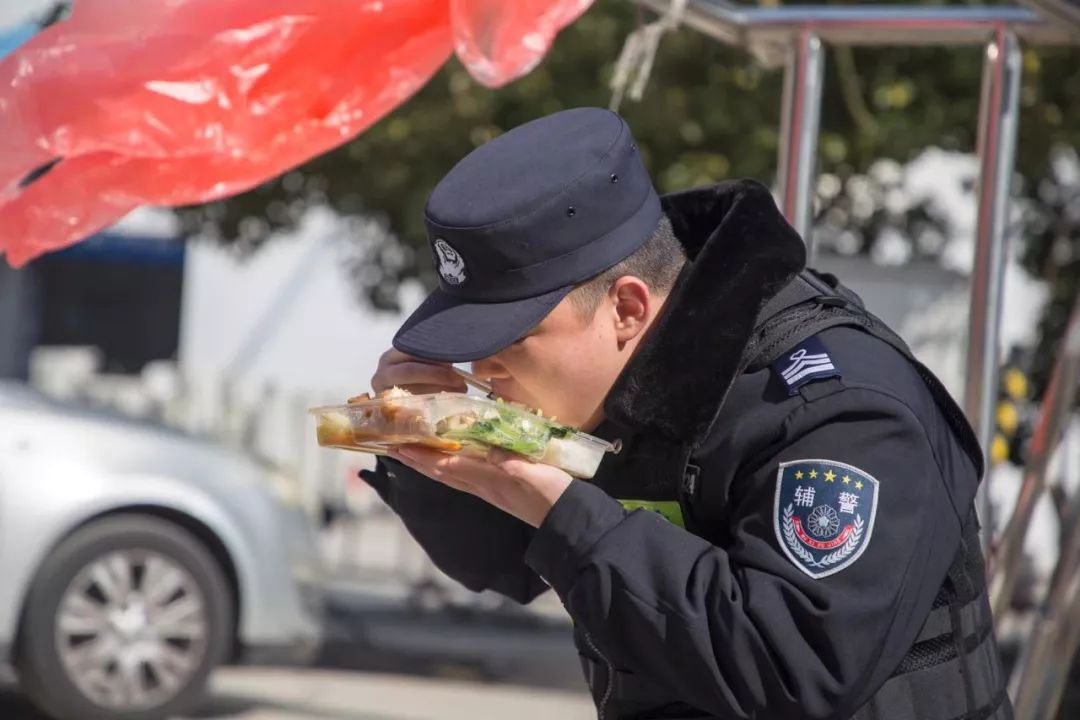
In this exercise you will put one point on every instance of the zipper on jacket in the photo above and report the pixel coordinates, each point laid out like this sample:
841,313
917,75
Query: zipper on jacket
610,679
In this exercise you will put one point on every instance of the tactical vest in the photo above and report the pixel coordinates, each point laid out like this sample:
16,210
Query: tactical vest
952,671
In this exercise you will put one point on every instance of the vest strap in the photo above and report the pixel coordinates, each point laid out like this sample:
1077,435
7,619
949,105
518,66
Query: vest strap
812,303
973,619
941,691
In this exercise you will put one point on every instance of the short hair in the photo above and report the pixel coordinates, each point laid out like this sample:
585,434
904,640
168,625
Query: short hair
657,262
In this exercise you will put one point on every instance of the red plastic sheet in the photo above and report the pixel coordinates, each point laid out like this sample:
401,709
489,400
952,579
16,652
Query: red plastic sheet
499,40
186,101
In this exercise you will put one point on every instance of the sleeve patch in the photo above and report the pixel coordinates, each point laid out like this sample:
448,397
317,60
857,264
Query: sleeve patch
823,514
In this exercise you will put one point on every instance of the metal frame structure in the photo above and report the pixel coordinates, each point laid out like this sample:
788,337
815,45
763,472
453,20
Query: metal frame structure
1040,676
800,120
795,36
769,31
1064,12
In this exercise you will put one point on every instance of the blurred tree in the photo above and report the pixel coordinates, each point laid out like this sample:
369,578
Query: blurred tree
709,112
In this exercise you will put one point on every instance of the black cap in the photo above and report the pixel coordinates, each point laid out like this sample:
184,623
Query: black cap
520,221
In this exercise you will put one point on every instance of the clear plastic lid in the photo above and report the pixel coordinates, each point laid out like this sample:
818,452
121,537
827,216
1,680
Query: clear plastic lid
457,423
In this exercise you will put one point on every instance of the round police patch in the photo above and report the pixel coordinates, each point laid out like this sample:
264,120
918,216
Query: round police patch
823,514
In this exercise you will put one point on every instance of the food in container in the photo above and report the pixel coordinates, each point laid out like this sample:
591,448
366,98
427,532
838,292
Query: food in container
456,423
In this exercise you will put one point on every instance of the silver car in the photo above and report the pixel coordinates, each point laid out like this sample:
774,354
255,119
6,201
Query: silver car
133,560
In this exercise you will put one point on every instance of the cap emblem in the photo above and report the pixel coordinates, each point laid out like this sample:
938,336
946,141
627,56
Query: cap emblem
451,264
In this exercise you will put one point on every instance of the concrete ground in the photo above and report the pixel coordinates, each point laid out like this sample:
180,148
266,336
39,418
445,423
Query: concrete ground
256,694
291,694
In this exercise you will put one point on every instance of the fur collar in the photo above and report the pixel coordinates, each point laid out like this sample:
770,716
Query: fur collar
742,252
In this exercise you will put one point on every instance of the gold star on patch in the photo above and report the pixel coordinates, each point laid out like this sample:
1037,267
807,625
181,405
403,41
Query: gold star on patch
858,484
847,480
798,474
830,476
813,474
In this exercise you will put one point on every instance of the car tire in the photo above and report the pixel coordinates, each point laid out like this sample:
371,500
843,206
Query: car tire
83,654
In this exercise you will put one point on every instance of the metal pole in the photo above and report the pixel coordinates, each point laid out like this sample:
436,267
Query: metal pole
997,155
1051,422
799,122
1039,678
746,25
1065,12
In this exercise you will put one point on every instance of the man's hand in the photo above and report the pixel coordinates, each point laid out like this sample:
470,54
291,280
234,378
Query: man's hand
511,483
415,375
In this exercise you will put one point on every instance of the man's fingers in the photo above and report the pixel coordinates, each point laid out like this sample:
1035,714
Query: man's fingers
418,376
450,470
393,355
510,463
429,389
415,374
421,454
524,489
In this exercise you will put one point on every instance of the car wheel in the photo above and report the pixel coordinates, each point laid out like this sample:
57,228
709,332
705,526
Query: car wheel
125,620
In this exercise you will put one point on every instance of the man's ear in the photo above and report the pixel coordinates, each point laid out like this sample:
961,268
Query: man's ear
631,307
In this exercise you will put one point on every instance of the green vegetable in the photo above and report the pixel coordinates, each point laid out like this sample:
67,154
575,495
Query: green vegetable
523,434
561,431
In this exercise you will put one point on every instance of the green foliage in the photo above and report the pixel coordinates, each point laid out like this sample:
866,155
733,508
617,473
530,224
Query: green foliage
709,112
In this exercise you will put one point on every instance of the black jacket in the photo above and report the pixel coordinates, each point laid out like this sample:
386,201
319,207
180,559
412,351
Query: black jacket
716,617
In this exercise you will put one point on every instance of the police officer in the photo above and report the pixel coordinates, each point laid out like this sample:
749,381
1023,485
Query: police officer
787,531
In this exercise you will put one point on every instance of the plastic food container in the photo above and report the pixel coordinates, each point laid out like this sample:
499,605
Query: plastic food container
457,423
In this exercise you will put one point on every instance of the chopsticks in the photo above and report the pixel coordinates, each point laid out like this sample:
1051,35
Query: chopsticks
475,381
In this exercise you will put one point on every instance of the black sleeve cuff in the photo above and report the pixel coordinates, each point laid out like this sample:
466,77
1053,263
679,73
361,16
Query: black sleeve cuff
380,478
581,516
